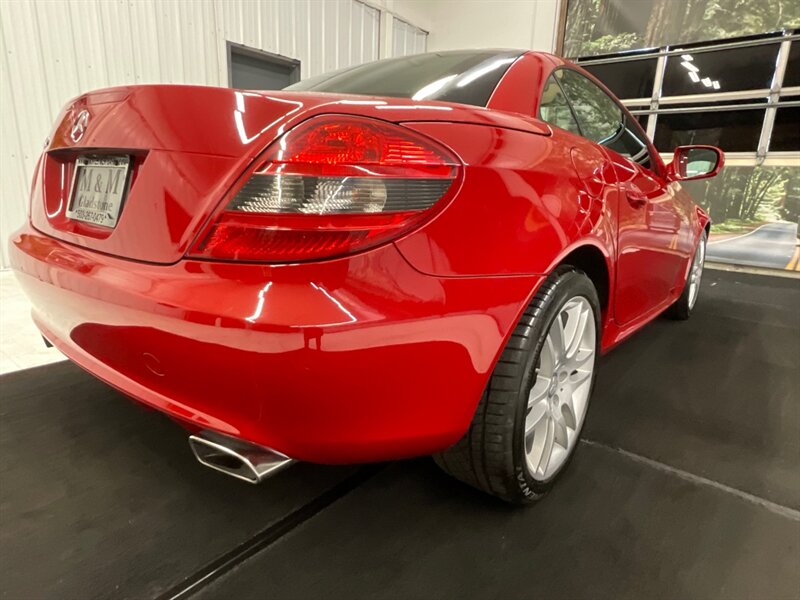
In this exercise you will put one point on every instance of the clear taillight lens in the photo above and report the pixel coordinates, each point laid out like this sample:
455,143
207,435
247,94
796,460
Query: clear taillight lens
331,186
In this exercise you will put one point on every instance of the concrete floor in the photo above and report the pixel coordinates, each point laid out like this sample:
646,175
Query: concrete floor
687,486
21,345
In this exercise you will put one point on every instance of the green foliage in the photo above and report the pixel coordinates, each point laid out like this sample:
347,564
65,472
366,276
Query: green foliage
744,194
734,226
686,21
613,43
732,18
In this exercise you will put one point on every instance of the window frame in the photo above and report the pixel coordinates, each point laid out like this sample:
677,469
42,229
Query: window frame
628,118
754,108
670,61
777,93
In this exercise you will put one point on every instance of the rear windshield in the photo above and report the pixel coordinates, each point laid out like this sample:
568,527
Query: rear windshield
467,77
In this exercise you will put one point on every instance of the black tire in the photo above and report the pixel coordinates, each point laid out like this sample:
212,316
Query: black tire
491,455
682,308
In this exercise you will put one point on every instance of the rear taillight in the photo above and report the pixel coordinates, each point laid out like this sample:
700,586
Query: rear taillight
331,186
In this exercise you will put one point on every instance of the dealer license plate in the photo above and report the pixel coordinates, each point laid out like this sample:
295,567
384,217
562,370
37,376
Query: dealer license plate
98,189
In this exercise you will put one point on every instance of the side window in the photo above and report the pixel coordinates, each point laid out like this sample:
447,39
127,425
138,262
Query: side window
598,115
632,143
554,108
602,120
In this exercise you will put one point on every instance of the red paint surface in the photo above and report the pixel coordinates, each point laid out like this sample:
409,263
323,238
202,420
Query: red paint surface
376,355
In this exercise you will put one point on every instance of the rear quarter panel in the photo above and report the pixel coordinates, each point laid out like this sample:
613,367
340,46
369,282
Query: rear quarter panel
521,206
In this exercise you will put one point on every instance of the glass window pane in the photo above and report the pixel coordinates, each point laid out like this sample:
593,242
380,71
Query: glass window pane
740,200
632,143
731,130
728,70
792,75
600,27
599,116
467,77
627,79
554,108
786,130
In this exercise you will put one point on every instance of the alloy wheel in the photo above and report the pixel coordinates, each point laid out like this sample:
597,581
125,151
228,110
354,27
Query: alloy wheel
559,397
696,273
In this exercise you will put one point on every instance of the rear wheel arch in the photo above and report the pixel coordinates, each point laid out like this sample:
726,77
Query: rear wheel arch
493,453
588,258
591,260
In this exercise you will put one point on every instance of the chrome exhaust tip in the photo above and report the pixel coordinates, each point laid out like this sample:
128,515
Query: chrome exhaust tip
237,458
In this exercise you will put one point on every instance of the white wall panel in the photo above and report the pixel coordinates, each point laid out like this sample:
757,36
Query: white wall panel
56,50
407,39
459,24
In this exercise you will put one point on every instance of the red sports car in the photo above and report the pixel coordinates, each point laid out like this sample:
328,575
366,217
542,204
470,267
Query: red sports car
421,255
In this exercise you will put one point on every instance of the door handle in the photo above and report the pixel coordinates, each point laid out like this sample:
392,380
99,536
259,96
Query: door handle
635,196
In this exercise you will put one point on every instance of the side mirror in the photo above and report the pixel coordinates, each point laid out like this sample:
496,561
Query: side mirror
695,162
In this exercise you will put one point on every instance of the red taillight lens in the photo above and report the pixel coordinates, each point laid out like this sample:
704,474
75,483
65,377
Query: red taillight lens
331,186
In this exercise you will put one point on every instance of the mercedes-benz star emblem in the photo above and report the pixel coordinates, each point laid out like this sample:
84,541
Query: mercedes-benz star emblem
79,126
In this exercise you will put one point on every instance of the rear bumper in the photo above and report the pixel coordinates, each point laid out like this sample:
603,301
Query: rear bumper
349,360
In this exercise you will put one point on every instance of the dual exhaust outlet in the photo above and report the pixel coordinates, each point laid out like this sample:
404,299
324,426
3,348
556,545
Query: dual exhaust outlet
237,458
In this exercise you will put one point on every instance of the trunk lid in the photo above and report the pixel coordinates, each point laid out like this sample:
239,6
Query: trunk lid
184,147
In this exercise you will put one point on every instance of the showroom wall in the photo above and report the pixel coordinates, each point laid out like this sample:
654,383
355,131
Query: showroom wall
529,24
53,51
